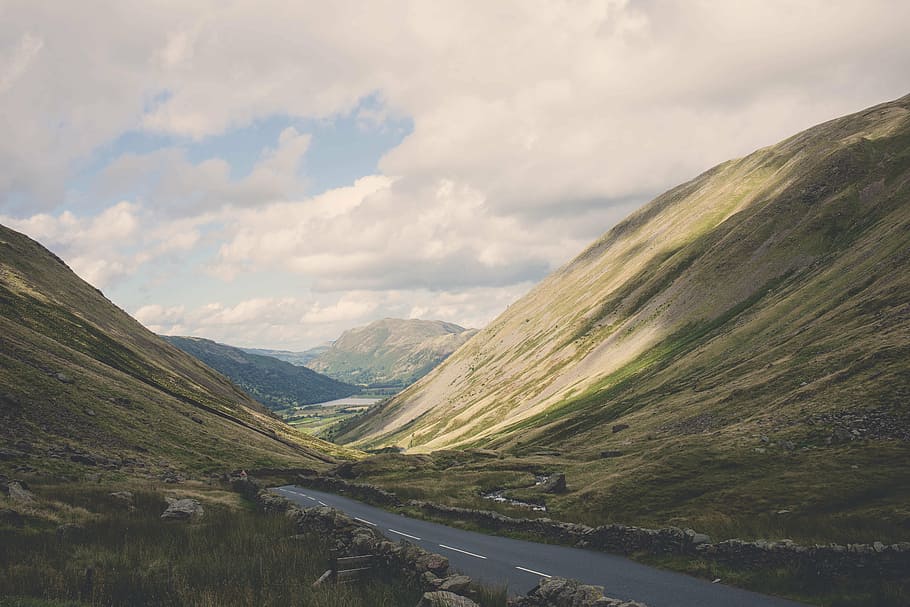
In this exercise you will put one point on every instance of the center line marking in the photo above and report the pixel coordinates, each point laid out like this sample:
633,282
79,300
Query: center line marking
532,571
364,521
322,503
413,537
462,551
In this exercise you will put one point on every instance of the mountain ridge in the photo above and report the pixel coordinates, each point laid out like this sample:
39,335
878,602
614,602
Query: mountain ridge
273,382
85,385
390,351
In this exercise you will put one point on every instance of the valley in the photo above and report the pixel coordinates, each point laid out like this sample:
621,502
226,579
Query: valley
718,385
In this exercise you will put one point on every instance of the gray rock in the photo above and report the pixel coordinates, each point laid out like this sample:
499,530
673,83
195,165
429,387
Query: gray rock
182,510
606,454
459,584
619,427
20,494
123,498
445,599
434,563
64,378
555,484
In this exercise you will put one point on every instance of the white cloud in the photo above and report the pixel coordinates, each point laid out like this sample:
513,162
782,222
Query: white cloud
536,126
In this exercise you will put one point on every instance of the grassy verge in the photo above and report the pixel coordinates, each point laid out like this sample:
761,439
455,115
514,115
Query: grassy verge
78,545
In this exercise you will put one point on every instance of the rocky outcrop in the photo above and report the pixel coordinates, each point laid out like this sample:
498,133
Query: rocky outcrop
559,592
123,498
19,493
182,510
554,484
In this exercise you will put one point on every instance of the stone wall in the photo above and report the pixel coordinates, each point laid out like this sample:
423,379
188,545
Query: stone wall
370,494
428,571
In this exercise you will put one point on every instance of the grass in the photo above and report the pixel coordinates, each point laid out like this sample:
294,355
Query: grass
109,555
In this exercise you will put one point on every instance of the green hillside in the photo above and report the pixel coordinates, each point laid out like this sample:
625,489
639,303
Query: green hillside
274,383
390,352
738,347
85,387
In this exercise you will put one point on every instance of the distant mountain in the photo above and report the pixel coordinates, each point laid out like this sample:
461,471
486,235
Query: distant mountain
83,386
275,383
742,342
295,358
390,352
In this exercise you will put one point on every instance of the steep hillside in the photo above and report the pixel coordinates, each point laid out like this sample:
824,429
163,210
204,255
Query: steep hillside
84,386
741,341
390,351
275,383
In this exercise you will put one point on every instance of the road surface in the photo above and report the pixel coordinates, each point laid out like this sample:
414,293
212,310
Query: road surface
519,564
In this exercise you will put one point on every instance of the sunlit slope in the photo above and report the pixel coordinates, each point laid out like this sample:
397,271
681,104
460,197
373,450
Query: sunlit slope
390,351
80,375
773,286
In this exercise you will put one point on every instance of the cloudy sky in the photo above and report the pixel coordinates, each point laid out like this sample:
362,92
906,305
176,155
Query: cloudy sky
272,173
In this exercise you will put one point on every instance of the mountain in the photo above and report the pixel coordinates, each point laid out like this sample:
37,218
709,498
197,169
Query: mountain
390,351
84,386
742,341
295,358
275,383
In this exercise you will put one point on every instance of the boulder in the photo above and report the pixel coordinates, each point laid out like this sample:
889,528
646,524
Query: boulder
123,498
445,599
555,484
559,592
20,494
619,427
182,510
434,563
459,584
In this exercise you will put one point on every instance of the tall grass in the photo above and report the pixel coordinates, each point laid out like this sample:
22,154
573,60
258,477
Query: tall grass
228,558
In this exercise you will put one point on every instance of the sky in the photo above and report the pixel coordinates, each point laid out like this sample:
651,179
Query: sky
269,174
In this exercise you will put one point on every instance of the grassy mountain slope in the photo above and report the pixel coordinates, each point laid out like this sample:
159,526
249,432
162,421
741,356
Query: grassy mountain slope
751,328
275,383
82,385
390,351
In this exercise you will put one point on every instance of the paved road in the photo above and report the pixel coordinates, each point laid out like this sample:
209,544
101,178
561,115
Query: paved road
520,564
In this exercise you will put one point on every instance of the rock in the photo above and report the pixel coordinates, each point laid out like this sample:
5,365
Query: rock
18,493
559,592
459,584
434,563
124,498
445,599
619,427
63,378
90,412
182,510
555,484
606,454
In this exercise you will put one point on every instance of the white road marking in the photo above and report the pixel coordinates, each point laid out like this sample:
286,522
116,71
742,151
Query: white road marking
462,551
322,503
532,571
413,537
364,521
